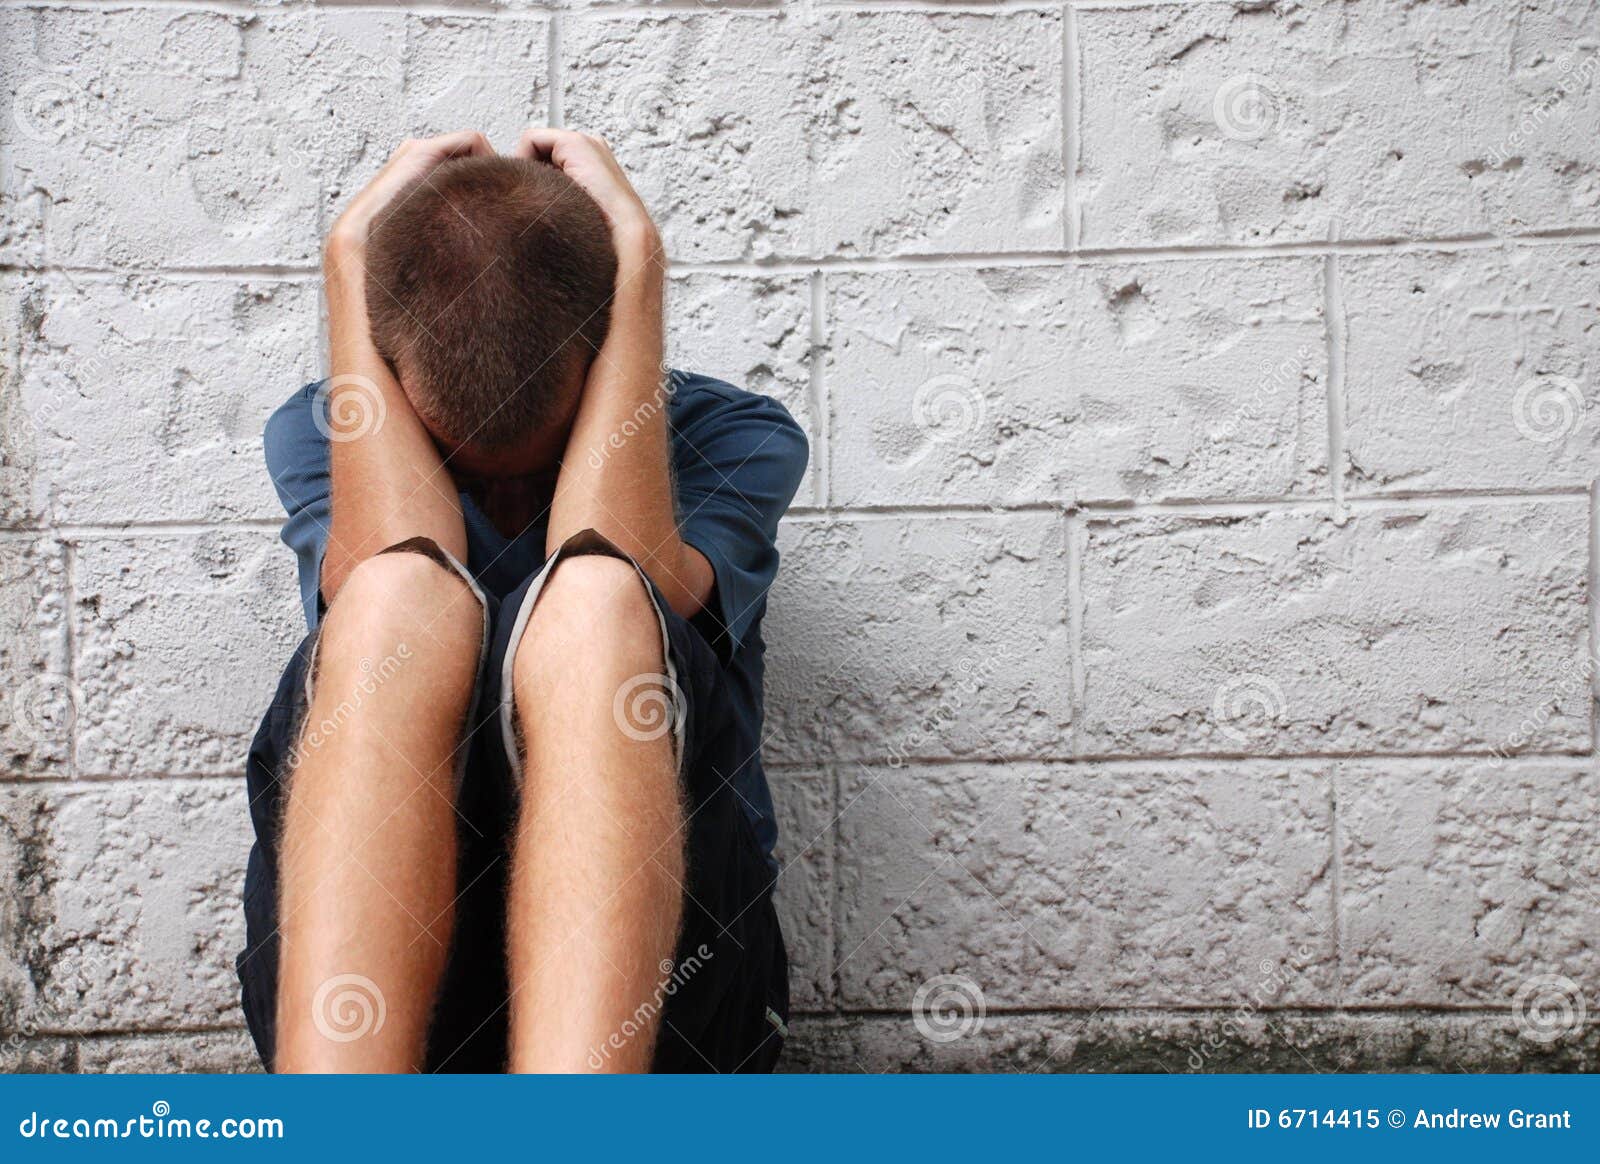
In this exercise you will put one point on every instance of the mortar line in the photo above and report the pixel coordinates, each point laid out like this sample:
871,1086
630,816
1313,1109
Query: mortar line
1594,619
1572,759
1075,668
821,401
1333,320
1306,763
805,264
835,899
157,527
752,9
804,9
1124,5
555,105
70,602
1195,509
1221,1010
82,782
1336,884
1084,255
286,272
1071,102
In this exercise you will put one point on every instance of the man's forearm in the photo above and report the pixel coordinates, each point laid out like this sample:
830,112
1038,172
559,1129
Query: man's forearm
388,481
616,476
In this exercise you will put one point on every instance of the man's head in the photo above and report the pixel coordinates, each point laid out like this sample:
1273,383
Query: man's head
489,287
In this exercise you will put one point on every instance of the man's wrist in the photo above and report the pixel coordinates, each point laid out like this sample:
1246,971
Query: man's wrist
344,276
639,249
344,256
343,236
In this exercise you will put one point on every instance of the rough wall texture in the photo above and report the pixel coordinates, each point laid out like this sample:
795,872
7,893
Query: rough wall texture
1183,654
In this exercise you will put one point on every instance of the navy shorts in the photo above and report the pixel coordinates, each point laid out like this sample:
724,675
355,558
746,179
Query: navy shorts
724,1007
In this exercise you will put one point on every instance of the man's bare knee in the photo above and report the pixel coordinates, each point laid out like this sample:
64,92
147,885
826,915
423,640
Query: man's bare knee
593,617
405,600
395,667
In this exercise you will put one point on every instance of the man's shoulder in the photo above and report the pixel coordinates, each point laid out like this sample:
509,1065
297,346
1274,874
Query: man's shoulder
292,433
728,439
692,388
697,398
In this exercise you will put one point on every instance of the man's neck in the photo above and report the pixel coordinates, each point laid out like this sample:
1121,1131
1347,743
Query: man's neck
511,504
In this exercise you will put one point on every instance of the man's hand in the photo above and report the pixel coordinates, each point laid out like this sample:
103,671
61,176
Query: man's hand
616,476
414,158
589,162
389,483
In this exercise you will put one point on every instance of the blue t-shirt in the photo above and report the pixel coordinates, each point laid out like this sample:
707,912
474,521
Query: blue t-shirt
737,460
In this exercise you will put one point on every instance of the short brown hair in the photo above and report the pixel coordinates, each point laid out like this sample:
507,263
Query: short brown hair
489,289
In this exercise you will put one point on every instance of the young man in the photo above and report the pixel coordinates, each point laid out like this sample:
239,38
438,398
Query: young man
508,799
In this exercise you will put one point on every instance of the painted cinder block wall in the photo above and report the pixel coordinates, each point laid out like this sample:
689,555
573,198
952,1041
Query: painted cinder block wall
1181,657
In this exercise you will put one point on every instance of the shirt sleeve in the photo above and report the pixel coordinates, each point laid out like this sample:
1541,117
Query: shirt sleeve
738,458
297,460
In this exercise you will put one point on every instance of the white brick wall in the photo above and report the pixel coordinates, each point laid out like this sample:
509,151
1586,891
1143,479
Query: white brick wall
1184,633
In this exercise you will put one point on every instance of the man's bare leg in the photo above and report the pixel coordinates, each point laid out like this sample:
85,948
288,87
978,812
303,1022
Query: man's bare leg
596,885
369,848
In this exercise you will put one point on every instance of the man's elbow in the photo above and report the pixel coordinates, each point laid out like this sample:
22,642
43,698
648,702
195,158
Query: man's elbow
691,581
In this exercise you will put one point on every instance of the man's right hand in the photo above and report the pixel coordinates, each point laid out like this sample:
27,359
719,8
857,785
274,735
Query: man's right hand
415,158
